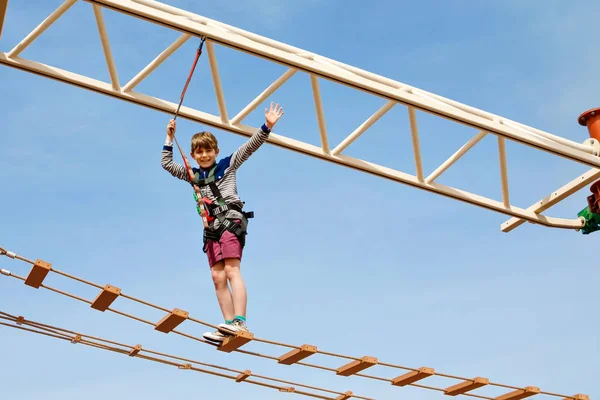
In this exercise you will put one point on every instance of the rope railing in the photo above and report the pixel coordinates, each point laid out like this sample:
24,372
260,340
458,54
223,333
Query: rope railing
173,318
168,359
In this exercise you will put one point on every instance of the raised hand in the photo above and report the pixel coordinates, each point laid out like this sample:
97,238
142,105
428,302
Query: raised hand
272,115
171,129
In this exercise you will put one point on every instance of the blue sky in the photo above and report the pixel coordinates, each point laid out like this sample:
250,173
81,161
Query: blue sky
400,274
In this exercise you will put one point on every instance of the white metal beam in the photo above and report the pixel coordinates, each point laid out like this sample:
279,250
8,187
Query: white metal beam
284,142
317,67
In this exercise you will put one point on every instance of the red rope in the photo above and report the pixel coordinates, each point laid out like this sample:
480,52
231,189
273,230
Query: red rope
198,53
185,161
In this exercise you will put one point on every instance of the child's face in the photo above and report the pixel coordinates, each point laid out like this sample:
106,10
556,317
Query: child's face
205,157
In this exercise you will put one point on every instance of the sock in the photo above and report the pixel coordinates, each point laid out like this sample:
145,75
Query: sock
240,318
228,321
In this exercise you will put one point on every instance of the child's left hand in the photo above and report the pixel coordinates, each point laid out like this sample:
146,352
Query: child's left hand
272,115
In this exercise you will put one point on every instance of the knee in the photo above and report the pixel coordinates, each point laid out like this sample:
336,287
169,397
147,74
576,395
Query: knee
219,278
232,269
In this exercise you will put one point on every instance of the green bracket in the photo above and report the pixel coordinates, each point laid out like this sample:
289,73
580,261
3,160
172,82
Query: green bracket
592,221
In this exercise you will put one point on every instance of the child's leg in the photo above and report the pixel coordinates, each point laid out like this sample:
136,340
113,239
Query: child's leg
219,276
232,255
224,298
238,288
238,291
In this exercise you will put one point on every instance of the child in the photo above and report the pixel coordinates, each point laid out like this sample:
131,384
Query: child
224,238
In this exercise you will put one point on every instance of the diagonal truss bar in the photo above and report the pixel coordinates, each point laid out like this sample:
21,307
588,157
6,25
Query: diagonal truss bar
214,69
317,67
148,69
41,28
455,157
363,127
182,363
555,197
40,270
110,62
263,96
3,7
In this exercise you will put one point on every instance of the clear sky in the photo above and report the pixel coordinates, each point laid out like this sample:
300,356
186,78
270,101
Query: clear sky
397,273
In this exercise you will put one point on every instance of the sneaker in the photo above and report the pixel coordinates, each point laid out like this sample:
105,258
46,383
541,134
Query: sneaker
231,329
215,336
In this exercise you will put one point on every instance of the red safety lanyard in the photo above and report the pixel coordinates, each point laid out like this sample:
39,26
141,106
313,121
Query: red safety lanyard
203,211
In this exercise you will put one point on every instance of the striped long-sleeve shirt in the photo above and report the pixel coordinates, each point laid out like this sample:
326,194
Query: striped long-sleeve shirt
225,173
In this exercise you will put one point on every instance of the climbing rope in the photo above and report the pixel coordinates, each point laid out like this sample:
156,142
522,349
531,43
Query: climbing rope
188,168
41,268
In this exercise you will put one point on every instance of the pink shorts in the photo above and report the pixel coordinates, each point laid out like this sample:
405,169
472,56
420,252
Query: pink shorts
227,247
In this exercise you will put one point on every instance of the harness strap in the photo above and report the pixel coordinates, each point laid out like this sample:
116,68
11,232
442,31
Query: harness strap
217,193
239,229
210,181
210,178
216,210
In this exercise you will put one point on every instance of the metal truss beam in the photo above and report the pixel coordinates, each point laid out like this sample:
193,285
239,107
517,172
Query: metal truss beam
318,67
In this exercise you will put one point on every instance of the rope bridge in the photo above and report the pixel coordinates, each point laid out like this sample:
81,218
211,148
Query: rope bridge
174,317
164,358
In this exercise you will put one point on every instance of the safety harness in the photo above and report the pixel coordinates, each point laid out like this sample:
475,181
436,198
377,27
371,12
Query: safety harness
206,209
219,211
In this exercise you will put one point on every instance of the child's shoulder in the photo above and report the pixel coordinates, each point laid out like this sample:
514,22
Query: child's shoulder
222,165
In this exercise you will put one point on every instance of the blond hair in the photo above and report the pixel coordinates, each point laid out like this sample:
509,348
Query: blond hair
204,140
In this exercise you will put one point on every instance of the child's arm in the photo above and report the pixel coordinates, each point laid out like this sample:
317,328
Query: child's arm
175,169
257,139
